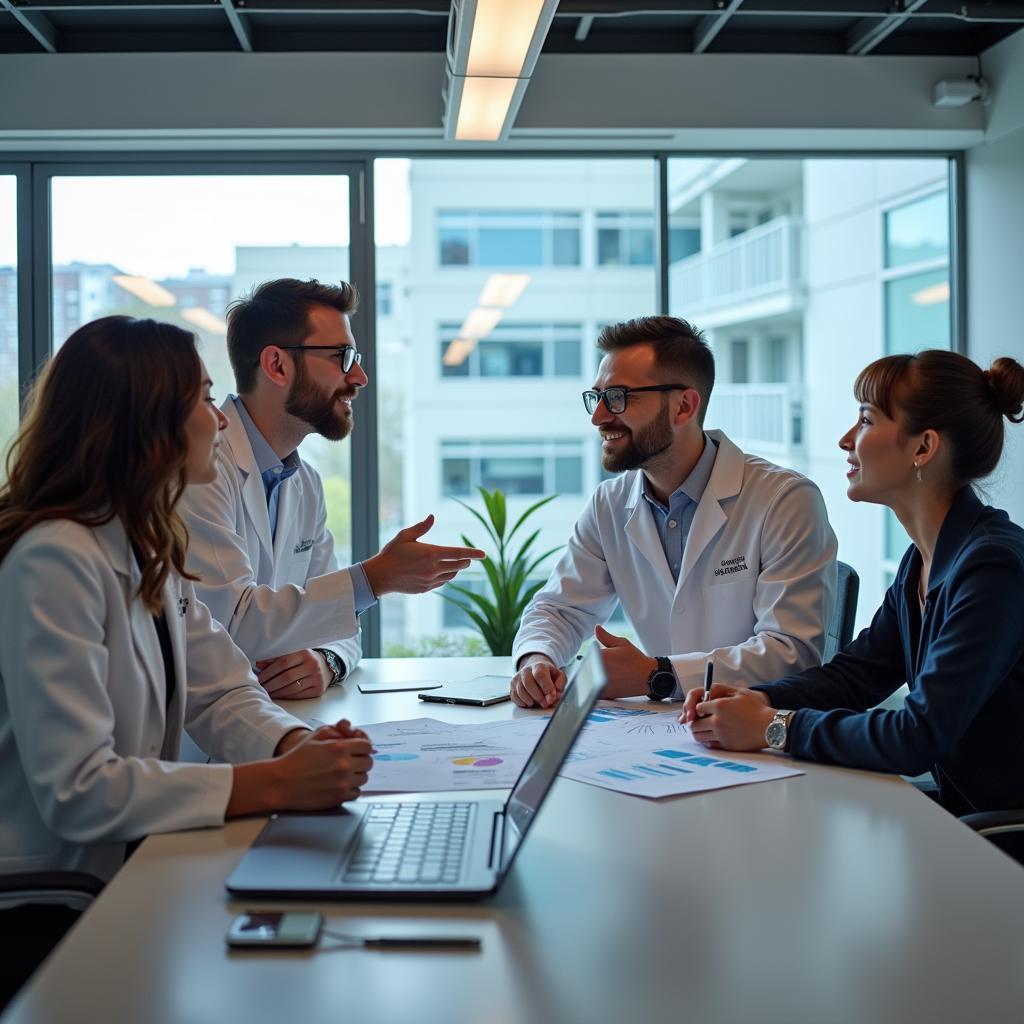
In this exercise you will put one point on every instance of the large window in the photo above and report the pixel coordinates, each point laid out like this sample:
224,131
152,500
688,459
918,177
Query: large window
801,272
8,315
479,380
179,248
509,238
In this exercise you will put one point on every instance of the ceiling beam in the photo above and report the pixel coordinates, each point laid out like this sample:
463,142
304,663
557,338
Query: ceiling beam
39,27
869,32
238,25
710,26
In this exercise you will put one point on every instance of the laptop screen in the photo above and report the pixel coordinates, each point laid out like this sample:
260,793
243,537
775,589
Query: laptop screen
552,749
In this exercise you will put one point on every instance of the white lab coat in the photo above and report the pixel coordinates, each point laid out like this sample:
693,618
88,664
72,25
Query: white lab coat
87,744
756,586
274,596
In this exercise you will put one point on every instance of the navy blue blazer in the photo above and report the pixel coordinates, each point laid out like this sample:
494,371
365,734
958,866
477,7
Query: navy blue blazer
963,660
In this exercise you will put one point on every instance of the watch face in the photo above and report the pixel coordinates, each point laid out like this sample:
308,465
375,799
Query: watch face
662,685
775,734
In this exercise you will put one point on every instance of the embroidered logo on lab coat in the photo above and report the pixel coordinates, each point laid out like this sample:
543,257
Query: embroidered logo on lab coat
182,606
731,565
303,545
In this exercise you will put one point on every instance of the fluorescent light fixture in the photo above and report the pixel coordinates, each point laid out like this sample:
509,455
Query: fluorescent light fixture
143,288
492,50
931,295
458,351
480,323
503,31
483,109
503,289
202,318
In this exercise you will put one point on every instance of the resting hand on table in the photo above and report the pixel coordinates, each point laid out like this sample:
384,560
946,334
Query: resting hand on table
732,718
626,667
294,676
538,683
312,770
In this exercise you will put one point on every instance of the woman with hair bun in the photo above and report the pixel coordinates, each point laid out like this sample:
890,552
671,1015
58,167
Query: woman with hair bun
952,623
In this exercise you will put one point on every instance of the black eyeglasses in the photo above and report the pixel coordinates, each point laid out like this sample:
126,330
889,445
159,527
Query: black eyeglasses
347,355
615,398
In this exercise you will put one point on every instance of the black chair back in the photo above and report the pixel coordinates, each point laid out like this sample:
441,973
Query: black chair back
840,627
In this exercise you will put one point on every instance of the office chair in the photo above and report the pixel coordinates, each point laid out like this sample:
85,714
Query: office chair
840,626
1004,829
47,904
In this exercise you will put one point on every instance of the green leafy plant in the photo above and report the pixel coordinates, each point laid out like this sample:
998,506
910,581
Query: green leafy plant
497,615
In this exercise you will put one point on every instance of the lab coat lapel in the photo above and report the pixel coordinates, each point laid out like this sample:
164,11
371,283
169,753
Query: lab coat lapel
283,538
725,482
643,533
114,540
255,497
176,610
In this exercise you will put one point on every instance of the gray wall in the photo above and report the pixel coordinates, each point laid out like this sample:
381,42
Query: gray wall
995,247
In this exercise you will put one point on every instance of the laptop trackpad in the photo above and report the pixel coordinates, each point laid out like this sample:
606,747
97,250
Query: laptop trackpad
298,851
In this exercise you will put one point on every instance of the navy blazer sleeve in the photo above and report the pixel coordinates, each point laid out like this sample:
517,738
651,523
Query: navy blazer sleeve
977,644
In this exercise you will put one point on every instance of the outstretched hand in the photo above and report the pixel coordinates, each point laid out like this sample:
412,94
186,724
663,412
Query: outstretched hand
405,565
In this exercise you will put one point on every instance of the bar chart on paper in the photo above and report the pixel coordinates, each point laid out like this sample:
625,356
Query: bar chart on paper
660,769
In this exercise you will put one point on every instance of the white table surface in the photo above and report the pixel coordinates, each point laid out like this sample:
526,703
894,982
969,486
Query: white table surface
831,897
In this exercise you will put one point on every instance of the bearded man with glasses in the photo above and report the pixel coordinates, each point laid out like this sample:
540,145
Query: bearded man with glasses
258,537
714,555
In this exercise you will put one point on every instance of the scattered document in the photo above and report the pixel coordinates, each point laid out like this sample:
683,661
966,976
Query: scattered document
629,749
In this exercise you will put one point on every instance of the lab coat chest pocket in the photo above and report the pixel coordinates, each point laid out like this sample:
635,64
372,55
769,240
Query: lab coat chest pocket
729,609
296,564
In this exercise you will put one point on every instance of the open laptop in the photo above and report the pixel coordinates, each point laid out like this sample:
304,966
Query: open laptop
457,848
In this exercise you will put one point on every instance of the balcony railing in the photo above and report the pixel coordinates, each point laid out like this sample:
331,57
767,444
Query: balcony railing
761,262
764,419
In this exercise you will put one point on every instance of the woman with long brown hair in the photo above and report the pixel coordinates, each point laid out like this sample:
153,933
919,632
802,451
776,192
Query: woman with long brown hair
952,624
106,654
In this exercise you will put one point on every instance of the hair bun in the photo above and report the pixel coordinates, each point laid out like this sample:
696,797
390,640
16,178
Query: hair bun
1006,381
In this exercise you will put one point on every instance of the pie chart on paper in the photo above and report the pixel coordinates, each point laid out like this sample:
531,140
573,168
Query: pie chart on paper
477,762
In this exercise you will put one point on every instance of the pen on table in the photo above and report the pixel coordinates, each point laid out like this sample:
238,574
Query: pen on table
709,675
455,942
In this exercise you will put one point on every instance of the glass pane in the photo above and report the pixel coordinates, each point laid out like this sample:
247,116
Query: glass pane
808,280
608,247
180,248
8,315
917,231
917,312
518,247
454,246
641,247
567,359
519,380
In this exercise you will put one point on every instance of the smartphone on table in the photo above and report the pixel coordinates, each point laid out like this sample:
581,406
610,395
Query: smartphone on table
264,929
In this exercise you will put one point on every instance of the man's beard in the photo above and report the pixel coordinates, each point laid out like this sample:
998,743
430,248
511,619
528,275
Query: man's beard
317,410
642,446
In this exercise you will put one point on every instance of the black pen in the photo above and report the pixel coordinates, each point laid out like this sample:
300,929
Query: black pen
709,675
459,942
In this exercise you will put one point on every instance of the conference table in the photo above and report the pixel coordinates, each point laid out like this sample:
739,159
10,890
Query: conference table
833,896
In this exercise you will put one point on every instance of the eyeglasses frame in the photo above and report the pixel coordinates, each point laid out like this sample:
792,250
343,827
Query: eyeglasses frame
602,396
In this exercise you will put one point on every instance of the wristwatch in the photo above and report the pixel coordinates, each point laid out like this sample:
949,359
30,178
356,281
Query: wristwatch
777,732
661,683
334,663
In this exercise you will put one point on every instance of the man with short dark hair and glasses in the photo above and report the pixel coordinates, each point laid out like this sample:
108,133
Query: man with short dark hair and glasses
258,537
714,555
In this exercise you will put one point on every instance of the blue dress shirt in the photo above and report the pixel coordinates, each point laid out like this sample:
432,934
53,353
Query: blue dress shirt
673,521
963,660
273,472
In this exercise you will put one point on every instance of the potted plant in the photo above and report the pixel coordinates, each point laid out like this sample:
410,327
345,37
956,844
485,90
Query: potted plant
497,615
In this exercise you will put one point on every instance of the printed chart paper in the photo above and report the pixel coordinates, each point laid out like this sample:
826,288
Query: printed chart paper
630,749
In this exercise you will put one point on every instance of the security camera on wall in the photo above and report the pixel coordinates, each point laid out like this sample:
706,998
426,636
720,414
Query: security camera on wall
958,92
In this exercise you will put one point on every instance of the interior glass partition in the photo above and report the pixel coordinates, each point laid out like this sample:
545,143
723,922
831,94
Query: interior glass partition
8,314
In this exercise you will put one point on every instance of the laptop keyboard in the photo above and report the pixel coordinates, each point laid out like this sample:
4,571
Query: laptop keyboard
410,843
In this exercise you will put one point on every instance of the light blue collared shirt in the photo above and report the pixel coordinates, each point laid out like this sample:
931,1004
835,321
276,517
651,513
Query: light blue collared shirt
674,521
273,472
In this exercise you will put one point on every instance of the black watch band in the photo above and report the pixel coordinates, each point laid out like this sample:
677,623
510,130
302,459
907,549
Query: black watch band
662,682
